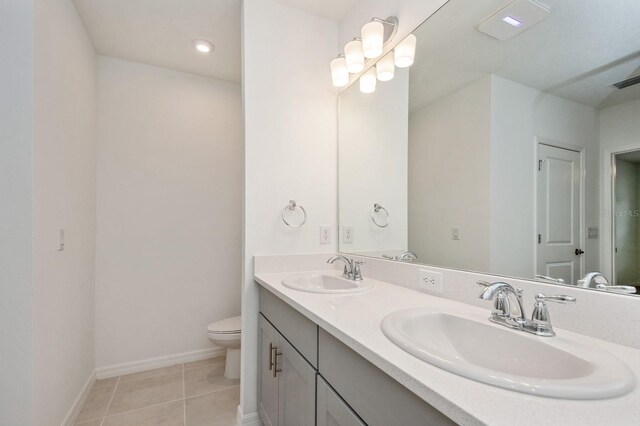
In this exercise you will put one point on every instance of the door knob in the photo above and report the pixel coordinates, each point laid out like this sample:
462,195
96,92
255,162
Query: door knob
579,252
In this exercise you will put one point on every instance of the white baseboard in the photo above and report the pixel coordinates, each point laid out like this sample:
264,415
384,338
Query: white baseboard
71,416
250,419
159,362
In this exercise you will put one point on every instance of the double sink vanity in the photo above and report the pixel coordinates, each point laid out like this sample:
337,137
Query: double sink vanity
345,351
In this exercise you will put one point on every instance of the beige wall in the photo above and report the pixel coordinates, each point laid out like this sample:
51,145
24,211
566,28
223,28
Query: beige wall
169,202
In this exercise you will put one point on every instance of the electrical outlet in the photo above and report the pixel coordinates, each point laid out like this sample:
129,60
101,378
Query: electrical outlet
430,281
347,234
455,233
325,234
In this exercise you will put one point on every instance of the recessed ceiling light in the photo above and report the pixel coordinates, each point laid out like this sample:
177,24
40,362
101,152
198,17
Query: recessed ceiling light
203,46
512,21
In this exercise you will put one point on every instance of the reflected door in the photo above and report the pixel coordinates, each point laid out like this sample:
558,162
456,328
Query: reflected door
559,254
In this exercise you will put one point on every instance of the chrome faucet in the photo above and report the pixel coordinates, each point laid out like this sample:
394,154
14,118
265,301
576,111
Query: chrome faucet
504,314
601,283
351,269
591,277
407,256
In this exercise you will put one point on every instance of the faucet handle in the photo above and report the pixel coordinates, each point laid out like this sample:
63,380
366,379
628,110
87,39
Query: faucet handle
357,274
540,297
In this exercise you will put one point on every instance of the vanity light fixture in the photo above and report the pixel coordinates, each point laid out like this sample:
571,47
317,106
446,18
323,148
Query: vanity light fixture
405,52
354,56
368,81
339,72
203,46
372,39
385,68
512,21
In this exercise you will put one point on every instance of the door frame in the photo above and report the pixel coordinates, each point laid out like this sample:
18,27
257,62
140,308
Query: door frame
607,209
538,140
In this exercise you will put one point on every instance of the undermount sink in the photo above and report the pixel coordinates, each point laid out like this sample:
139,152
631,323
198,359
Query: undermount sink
325,283
556,367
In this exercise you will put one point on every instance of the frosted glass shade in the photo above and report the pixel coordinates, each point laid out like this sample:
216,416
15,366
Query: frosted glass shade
339,73
354,56
405,52
385,68
368,81
372,39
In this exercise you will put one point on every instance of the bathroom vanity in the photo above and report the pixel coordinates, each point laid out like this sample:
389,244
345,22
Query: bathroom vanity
324,359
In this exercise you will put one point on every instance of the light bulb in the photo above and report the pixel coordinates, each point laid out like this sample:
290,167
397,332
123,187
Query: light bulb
353,56
368,81
203,46
372,39
405,52
385,67
339,73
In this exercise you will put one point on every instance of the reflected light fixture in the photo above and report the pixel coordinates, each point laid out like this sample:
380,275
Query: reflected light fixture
405,52
203,46
512,21
368,81
385,68
354,56
339,72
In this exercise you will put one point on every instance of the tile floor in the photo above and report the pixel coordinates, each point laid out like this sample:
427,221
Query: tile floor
190,394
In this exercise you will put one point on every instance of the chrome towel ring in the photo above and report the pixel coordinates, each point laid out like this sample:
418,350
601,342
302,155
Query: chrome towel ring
376,209
292,206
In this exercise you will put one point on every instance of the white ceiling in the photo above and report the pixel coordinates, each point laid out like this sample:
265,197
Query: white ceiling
159,32
577,53
331,9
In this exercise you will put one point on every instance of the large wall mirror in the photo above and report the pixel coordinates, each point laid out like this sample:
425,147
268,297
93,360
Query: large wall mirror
508,150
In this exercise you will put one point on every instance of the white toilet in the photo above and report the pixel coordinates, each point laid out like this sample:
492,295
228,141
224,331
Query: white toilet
226,333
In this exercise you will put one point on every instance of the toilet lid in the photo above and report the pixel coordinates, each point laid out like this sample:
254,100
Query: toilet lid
227,325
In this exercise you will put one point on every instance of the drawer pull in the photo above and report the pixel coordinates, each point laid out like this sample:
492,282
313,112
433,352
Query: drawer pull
276,354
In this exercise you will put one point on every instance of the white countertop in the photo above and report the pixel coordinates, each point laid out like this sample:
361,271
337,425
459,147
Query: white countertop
355,320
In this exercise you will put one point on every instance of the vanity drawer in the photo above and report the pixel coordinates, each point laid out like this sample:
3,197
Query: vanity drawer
377,398
295,327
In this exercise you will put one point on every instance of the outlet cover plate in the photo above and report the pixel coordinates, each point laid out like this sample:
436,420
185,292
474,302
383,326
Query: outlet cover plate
430,281
347,234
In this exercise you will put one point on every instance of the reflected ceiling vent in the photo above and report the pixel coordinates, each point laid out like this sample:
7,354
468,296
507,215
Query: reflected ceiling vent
631,81
514,19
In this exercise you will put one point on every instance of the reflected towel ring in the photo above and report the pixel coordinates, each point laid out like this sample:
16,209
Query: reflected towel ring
291,207
376,208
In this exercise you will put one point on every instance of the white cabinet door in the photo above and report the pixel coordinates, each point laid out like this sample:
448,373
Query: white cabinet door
268,395
332,410
296,387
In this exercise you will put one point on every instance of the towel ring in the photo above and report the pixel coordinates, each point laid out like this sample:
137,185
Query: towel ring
291,207
376,208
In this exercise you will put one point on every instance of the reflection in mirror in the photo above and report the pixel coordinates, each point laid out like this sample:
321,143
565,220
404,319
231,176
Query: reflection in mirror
505,151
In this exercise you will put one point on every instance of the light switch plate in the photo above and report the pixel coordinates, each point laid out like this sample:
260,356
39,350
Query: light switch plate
430,281
455,233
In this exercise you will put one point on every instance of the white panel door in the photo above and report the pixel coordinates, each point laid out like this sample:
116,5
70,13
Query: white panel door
559,179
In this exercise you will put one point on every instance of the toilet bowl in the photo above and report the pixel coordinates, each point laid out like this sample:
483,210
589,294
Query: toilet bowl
227,333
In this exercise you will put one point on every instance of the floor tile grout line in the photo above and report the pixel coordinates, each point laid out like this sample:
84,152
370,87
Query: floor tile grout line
110,401
184,398
143,408
214,391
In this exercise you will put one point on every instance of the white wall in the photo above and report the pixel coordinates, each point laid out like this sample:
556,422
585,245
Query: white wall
169,198
290,146
519,115
373,137
16,141
449,157
619,129
63,197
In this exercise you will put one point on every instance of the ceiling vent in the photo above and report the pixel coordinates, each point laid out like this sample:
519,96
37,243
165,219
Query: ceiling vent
631,81
514,19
